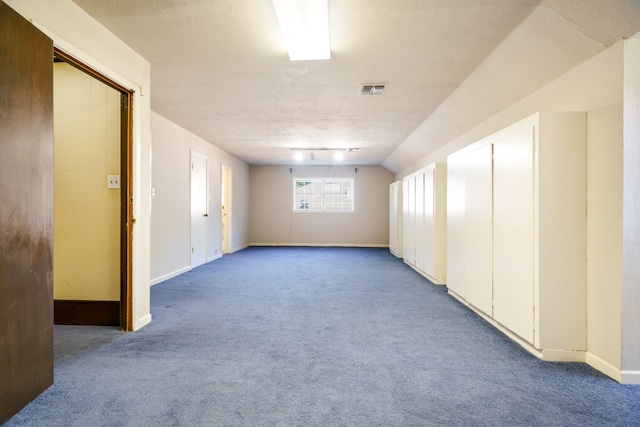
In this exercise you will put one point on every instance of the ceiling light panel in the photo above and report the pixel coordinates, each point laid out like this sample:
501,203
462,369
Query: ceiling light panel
305,28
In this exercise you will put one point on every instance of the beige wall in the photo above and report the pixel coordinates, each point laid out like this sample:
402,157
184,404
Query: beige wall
86,213
604,232
273,221
171,206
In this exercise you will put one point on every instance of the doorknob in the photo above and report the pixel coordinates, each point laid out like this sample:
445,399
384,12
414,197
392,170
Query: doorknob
205,215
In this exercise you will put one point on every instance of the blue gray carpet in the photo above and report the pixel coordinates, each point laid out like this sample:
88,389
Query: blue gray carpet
314,337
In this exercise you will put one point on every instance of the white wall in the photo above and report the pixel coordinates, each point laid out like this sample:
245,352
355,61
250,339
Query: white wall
273,221
76,33
631,213
604,234
171,206
594,84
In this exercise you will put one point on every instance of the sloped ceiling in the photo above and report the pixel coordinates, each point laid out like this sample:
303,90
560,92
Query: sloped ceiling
220,69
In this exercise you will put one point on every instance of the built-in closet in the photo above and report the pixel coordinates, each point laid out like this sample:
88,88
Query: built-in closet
424,201
516,232
395,218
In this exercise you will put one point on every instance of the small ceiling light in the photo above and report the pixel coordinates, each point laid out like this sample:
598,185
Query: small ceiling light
305,28
298,156
312,156
339,155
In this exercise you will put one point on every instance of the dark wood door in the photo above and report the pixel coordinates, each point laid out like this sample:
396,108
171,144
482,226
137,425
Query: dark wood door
26,212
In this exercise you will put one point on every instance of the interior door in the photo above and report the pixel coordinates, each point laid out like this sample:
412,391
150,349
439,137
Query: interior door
429,255
479,229
456,220
421,231
513,228
199,208
226,210
393,217
409,221
26,212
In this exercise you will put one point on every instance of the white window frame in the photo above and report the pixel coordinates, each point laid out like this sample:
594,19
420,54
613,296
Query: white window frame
323,180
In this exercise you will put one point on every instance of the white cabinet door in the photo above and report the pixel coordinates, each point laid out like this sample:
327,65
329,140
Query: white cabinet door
513,233
429,252
456,218
478,229
393,217
409,220
420,226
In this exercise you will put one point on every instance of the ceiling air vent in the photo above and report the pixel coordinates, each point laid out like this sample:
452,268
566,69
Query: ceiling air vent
376,89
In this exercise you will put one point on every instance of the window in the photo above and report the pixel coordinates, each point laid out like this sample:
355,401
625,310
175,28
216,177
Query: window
323,194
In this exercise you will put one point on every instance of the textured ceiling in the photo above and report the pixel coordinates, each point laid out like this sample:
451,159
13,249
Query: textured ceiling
220,69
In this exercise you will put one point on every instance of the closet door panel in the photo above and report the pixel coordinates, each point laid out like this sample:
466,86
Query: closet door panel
513,233
429,255
393,217
420,225
456,218
478,229
409,220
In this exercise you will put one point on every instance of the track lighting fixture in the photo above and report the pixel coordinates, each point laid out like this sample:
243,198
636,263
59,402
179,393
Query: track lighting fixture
338,155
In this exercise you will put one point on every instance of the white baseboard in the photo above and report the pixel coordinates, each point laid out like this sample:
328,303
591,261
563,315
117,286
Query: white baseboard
142,322
170,275
604,367
426,276
215,257
549,355
553,355
325,245
245,246
396,254
631,377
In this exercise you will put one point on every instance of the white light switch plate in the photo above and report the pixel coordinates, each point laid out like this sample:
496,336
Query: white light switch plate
113,181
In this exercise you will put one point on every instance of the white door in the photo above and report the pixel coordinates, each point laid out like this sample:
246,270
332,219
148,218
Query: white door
393,217
429,255
409,220
225,233
478,235
513,254
420,230
199,208
456,220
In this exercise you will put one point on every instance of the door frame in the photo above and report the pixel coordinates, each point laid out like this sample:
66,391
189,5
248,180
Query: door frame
127,219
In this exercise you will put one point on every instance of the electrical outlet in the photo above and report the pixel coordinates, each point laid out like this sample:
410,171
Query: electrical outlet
113,181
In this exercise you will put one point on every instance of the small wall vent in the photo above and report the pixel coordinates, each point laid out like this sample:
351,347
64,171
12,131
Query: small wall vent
372,89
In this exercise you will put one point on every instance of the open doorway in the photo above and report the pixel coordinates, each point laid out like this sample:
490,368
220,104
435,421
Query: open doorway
226,210
92,197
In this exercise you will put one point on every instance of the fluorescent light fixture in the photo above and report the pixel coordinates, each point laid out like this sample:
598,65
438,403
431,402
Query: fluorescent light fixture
305,28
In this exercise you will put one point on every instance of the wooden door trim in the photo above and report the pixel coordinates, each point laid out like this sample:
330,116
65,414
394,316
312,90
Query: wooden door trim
64,56
126,181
